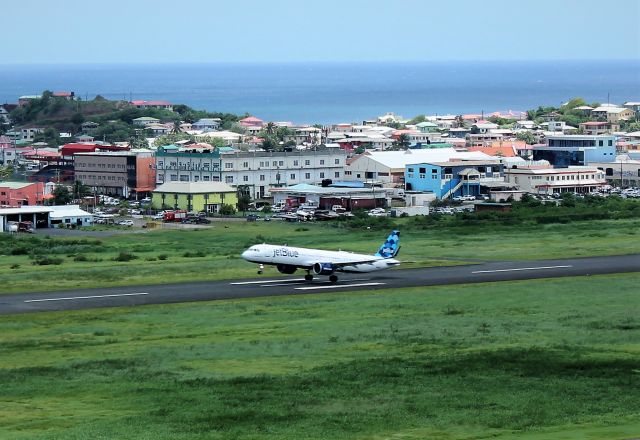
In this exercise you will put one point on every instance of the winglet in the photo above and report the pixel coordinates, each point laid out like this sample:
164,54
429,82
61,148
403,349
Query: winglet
390,247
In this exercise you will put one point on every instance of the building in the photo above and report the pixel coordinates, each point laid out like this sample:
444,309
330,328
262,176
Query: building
119,173
157,104
623,166
597,128
16,194
256,173
455,177
612,113
70,216
194,196
143,121
250,122
37,215
327,197
634,106
206,124
388,167
576,150
580,179
187,164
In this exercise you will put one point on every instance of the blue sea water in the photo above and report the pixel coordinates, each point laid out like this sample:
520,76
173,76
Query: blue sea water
338,92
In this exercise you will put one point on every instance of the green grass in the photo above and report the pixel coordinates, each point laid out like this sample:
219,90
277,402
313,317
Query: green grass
213,253
554,358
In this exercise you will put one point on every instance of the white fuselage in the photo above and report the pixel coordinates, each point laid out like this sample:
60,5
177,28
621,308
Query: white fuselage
305,258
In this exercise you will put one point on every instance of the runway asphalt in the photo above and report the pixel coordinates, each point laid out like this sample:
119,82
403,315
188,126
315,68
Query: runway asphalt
295,284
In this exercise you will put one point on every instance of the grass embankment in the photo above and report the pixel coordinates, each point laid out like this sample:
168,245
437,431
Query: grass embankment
213,253
532,359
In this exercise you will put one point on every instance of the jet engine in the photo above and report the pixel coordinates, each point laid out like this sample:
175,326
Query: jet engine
285,268
323,269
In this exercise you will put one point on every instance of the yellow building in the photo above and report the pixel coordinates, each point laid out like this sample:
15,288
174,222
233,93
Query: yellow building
194,196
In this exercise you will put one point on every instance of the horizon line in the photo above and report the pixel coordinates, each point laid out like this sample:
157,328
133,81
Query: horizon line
351,62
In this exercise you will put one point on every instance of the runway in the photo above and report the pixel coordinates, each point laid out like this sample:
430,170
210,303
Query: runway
295,285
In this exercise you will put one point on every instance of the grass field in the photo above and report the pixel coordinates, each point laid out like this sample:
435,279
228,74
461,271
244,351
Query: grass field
213,253
536,359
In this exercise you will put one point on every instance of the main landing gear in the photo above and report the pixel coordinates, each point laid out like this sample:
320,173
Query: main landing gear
260,269
332,278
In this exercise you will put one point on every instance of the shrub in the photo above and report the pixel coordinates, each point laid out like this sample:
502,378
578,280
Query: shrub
46,261
194,254
15,266
80,257
162,257
227,209
125,256
19,251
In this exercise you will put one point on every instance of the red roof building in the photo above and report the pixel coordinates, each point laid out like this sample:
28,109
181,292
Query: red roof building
251,121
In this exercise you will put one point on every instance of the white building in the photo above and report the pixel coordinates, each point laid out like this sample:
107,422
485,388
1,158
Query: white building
206,124
581,179
69,215
258,171
388,167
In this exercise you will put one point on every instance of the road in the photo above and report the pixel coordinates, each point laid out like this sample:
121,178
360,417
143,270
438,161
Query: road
295,285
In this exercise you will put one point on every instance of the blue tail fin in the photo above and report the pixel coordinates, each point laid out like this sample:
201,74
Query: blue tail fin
391,246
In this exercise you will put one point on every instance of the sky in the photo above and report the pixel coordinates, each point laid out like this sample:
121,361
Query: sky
209,31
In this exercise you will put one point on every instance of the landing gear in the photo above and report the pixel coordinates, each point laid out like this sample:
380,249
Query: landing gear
308,277
333,278
260,269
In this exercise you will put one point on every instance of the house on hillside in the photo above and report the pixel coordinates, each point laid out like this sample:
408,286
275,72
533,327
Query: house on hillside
145,120
157,104
251,121
612,114
206,124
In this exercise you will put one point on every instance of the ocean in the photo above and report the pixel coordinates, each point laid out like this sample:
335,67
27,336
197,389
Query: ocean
338,92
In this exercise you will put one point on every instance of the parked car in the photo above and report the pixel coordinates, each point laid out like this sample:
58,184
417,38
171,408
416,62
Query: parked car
252,217
377,212
125,222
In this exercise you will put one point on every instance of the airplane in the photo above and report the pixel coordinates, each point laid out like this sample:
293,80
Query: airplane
288,259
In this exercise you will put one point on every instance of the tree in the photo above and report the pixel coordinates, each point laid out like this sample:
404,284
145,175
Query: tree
418,119
77,118
227,209
243,202
526,136
80,190
61,195
403,142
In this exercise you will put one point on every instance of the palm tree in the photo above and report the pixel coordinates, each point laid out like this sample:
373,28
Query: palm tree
270,128
176,127
403,142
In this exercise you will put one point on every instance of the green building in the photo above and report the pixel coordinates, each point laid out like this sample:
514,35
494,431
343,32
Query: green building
194,196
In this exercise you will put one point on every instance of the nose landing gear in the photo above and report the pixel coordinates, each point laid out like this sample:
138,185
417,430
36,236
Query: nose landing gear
260,269
308,277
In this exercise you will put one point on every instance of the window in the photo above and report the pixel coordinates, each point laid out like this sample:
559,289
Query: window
228,165
173,177
206,178
245,178
281,163
196,178
601,143
422,170
337,162
610,143
274,163
293,176
410,170
321,161
307,176
295,163
347,173
261,163
228,179
184,177
262,177
307,162
337,174
245,164
322,175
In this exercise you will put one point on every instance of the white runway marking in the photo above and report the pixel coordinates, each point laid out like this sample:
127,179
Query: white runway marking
338,286
287,280
84,297
521,268
288,284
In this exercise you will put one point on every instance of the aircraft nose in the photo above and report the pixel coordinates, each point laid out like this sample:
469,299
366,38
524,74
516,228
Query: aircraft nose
245,254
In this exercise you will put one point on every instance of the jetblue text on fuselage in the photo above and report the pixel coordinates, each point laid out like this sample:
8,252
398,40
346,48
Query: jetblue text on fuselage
284,252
